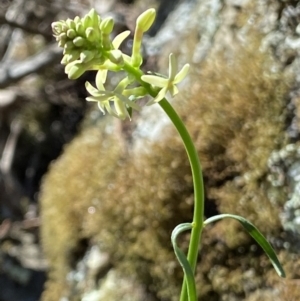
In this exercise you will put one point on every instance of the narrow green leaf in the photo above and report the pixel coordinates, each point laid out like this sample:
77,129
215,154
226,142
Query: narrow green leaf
257,235
190,280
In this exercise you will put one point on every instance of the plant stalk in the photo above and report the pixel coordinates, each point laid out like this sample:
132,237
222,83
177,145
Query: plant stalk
198,216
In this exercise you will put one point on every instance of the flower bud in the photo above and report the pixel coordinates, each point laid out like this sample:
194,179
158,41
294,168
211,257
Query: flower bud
71,24
107,25
56,27
115,56
62,38
69,45
76,20
64,27
61,44
74,70
79,41
87,21
94,17
91,34
80,29
65,59
71,57
86,56
146,19
71,33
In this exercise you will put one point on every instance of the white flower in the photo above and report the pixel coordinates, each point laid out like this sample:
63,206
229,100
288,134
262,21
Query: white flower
118,98
167,84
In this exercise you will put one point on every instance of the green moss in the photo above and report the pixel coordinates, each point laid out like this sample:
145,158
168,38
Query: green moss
240,108
74,183
237,120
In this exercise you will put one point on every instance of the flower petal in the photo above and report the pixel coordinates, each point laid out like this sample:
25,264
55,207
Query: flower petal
99,98
109,109
161,94
172,66
173,90
119,39
181,74
91,98
101,107
100,79
92,90
122,85
120,108
131,104
156,81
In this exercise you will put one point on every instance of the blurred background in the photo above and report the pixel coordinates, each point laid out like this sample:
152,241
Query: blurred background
241,104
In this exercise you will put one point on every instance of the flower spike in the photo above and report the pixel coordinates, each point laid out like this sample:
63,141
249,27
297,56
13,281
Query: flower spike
87,45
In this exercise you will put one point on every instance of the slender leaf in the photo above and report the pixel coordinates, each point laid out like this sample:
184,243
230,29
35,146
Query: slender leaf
190,280
257,235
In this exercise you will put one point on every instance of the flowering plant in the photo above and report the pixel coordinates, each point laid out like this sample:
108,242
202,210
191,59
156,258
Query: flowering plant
87,46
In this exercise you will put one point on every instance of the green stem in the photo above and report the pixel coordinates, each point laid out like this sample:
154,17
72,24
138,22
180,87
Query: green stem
198,217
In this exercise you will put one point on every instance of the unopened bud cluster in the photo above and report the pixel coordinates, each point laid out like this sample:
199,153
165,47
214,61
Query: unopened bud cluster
87,46
85,42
